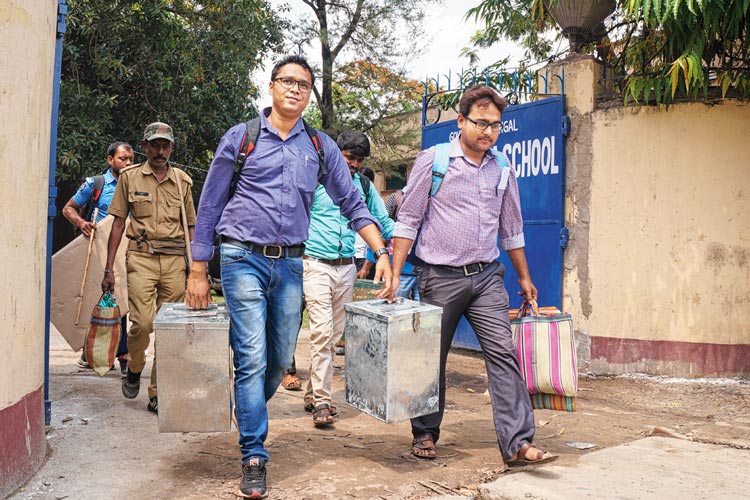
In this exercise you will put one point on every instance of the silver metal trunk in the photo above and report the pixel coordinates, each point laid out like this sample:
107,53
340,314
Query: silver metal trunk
392,358
193,368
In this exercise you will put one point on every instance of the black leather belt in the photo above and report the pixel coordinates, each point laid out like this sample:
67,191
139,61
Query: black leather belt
468,269
342,261
270,251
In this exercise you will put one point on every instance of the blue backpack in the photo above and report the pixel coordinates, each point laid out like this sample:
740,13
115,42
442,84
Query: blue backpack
439,168
443,158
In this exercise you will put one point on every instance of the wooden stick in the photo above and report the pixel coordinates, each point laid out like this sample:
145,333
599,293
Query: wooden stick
183,216
86,268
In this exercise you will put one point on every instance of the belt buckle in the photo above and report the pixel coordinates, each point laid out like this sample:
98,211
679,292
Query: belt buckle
470,273
276,256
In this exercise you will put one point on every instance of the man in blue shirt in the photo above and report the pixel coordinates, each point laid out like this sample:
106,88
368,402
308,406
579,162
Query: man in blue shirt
119,156
329,274
263,227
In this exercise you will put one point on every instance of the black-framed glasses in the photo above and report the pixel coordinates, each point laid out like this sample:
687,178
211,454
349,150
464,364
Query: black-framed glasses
289,83
482,125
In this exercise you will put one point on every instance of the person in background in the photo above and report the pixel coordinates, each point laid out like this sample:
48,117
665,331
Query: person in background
119,156
329,274
153,194
360,247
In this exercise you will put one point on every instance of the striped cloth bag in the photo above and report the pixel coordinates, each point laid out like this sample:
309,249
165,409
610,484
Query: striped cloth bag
546,353
103,336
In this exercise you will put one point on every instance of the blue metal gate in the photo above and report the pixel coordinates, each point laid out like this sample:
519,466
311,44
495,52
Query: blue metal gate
532,138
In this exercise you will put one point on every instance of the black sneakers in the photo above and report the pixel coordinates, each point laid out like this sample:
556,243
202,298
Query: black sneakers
131,384
153,404
253,483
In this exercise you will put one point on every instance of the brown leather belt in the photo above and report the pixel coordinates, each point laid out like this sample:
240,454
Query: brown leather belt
342,261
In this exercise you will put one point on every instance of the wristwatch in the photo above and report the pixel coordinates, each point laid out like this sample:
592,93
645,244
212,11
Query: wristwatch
380,252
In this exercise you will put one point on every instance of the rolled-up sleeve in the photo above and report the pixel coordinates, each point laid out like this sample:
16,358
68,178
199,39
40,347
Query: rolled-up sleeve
511,220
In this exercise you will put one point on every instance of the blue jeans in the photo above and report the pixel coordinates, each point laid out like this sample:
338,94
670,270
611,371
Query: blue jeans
408,285
264,300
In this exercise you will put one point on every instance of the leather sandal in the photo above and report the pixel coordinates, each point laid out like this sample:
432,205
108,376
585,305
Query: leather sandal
322,415
291,382
310,407
522,458
423,446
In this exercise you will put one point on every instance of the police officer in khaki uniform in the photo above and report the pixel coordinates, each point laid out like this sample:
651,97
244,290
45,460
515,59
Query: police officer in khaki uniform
151,194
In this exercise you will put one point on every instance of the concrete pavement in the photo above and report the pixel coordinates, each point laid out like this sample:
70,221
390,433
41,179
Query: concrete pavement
650,468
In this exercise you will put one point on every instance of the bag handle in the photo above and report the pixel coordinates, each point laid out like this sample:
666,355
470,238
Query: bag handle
532,305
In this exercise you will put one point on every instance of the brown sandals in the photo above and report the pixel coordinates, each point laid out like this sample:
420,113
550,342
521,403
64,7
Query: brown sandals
310,407
523,459
423,446
322,415
291,382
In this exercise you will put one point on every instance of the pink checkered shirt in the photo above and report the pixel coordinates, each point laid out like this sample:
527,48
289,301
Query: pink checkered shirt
461,222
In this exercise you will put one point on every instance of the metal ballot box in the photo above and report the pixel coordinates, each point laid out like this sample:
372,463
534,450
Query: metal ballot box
193,368
392,358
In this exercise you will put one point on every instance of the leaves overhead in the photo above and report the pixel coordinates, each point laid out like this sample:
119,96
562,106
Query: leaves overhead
659,50
127,63
386,33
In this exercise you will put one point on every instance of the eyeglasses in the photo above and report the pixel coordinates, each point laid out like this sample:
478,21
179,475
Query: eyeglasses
289,83
482,125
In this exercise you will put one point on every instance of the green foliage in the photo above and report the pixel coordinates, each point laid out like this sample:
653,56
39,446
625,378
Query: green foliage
675,46
365,97
661,50
364,30
127,63
520,21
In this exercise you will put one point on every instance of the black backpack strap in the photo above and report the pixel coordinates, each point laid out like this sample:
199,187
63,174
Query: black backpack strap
398,198
365,188
318,144
249,138
96,189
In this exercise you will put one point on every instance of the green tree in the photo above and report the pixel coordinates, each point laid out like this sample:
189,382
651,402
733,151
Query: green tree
683,48
127,63
660,49
520,21
366,30
375,100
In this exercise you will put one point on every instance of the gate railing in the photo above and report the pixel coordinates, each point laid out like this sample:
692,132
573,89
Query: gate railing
517,85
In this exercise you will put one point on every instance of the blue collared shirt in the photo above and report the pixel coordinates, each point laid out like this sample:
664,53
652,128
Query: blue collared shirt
83,195
271,205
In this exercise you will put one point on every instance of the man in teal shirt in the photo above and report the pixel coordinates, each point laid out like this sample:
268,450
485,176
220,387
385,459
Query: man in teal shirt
329,274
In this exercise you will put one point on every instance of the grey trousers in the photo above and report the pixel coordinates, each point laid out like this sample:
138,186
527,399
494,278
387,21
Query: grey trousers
482,298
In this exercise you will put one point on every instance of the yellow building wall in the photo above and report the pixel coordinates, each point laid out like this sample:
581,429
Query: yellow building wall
657,272
670,225
26,65
27,45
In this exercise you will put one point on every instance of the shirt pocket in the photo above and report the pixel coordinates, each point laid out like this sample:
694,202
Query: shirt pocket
304,170
492,198
170,210
141,206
